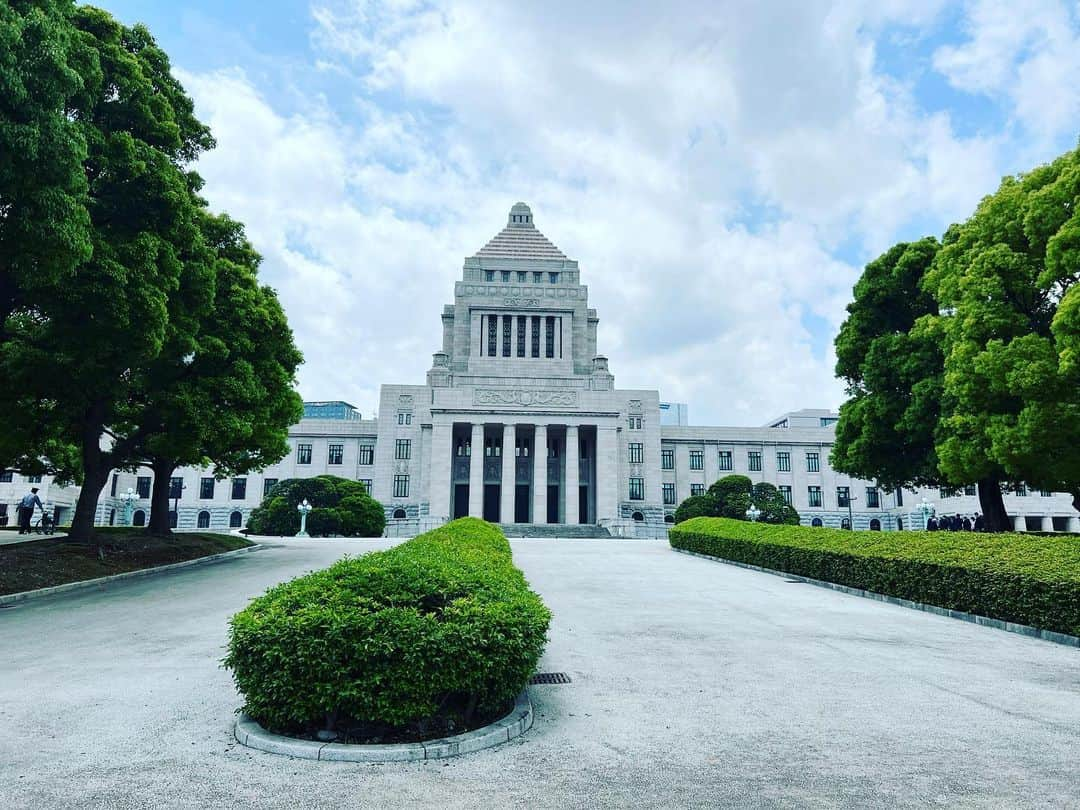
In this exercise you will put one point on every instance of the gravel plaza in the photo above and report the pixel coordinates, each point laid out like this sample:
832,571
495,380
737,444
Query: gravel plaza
694,684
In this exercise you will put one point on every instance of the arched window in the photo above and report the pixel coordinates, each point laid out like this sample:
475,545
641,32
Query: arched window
875,525
399,514
899,524
816,522
204,520
139,518
845,524
172,518
669,518
637,516
236,520
112,517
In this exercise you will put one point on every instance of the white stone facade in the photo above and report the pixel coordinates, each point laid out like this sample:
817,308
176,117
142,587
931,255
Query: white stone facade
519,369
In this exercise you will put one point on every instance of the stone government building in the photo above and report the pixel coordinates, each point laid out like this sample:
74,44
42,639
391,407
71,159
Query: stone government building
520,422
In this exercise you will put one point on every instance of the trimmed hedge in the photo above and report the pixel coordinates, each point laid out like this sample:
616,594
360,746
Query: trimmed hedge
392,637
1029,580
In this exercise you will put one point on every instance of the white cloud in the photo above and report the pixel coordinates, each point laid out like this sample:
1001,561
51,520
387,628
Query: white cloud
641,139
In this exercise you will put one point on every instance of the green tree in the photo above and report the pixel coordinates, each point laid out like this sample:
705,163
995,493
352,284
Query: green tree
1010,390
226,397
772,506
695,506
341,506
44,223
111,317
731,495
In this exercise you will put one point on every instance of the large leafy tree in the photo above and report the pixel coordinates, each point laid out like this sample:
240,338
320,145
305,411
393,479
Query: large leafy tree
226,398
111,318
1006,282
732,496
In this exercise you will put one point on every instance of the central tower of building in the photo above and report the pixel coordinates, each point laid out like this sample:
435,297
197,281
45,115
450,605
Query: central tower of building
519,421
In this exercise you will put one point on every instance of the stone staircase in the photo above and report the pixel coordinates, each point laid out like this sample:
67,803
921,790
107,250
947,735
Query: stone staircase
559,530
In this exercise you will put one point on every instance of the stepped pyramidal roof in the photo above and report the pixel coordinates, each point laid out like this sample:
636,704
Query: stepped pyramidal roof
519,239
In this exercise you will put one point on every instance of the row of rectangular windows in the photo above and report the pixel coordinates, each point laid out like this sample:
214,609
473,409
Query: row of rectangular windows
335,453
490,332
814,495
724,459
206,487
522,276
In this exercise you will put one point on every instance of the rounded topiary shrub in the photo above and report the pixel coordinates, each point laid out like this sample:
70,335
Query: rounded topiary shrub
341,507
431,635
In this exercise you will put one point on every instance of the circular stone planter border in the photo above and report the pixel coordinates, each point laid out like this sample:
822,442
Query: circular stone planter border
516,723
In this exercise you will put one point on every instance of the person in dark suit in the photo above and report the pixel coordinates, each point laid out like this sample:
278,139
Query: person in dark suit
26,510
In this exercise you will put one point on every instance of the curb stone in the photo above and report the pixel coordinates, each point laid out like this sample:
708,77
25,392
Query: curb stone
514,724
985,621
101,582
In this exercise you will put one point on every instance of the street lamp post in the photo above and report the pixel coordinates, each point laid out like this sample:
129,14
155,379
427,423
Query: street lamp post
129,499
926,509
303,508
753,513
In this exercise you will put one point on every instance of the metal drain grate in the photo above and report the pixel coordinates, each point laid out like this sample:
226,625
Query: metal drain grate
549,677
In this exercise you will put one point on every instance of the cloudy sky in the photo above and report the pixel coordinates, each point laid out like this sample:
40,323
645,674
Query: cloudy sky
721,170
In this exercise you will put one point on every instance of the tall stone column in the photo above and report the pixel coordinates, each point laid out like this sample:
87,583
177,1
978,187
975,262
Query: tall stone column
476,472
570,495
509,474
441,460
540,475
607,473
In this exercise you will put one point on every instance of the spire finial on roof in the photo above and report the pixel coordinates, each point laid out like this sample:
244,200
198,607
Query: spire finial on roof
520,215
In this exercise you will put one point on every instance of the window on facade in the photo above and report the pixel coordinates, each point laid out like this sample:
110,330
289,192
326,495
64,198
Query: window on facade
489,275
521,321
367,454
899,497
112,487
813,462
637,489
535,349
785,493
335,453
142,486
948,492
401,486
492,448
236,520
507,333
875,525
33,479
176,488
669,494
239,489
492,335
521,448
970,489
521,276
206,488
367,484
635,423
816,522
506,276
637,453
1021,490
783,462
1045,493
553,278
303,454
112,514
404,418
842,496
403,449
813,495
538,277
873,499
549,337
697,489
828,420
724,457
667,458
203,521
268,484
6,477
139,518
753,460
697,459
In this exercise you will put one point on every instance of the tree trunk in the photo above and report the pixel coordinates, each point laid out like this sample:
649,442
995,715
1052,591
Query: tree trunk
96,469
995,518
159,497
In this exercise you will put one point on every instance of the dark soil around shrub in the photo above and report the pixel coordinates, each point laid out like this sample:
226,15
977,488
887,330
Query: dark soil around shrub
58,561
447,723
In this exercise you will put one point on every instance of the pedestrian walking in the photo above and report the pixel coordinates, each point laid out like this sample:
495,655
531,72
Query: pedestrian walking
26,509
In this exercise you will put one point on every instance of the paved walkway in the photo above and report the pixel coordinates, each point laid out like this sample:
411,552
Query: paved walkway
695,684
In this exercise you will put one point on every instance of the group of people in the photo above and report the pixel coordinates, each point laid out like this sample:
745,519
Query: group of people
956,523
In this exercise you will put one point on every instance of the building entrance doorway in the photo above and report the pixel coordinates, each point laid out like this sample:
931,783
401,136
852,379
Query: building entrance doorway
521,503
461,501
491,502
583,505
553,505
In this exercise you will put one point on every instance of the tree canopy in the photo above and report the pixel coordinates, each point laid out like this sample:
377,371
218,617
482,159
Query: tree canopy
732,496
341,507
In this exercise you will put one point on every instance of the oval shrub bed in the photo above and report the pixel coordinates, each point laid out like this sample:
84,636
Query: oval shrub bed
433,637
1012,577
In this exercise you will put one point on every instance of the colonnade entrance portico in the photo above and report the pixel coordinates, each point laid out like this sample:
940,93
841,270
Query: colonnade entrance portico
510,472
